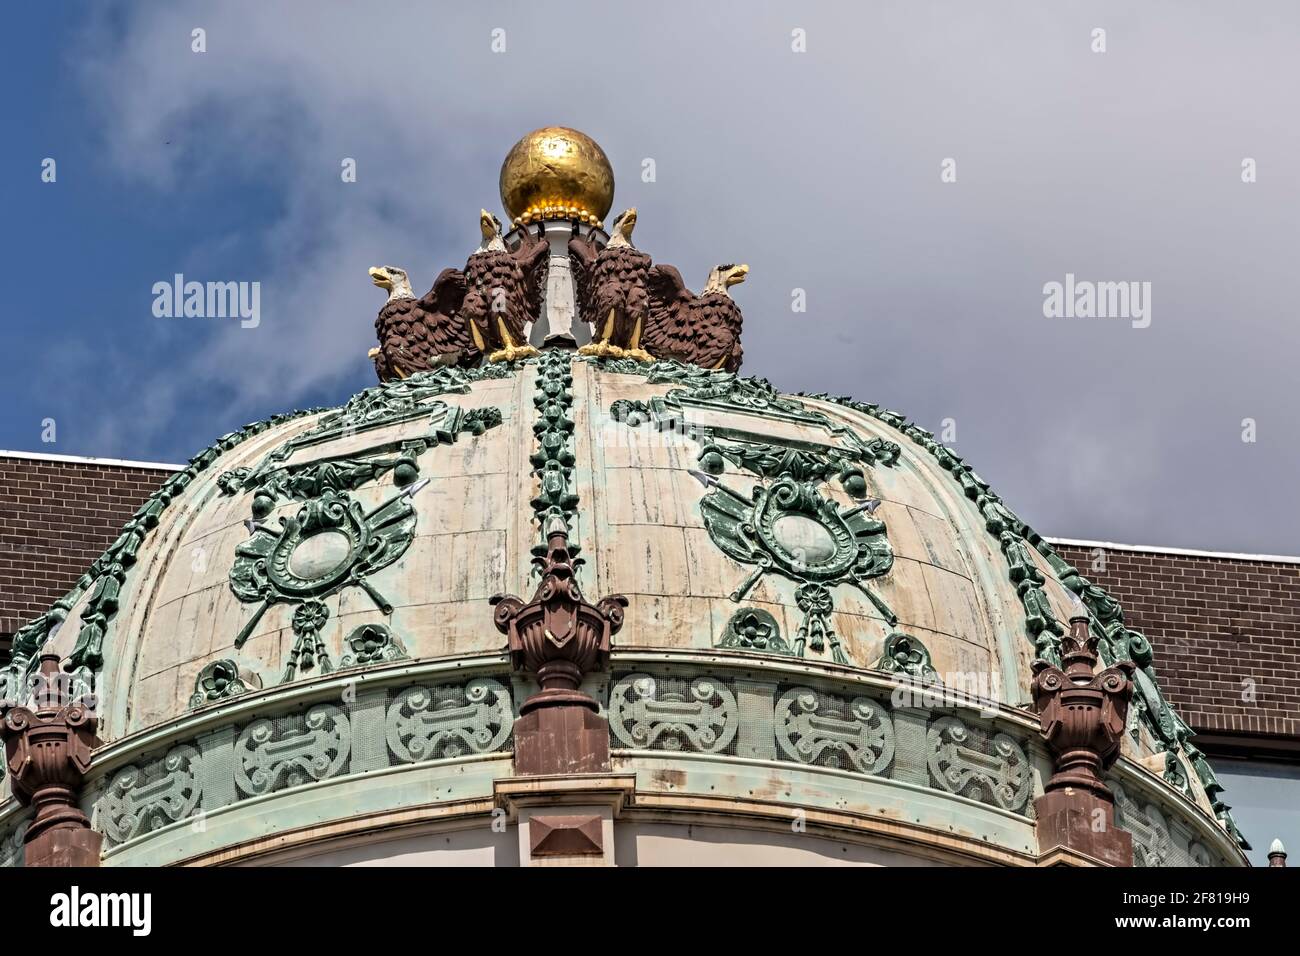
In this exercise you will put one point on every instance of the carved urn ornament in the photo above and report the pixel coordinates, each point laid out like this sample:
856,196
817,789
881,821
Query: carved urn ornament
1083,713
48,746
558,635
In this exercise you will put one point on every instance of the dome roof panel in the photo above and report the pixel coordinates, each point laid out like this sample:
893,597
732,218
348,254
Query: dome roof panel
763,529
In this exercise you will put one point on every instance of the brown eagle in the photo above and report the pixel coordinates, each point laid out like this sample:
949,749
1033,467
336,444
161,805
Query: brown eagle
416,335
612,297
701,329
503,291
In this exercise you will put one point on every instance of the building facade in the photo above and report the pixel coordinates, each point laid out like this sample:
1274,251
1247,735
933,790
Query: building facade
574,591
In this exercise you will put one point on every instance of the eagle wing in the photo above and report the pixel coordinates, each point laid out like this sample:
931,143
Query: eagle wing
447,294
447,330
582,257
667,333
667,288
534,259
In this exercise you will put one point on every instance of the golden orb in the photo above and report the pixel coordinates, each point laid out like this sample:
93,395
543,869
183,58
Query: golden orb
557,173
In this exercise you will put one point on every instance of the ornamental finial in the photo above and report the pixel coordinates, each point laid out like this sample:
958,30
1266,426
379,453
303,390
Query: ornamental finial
559,637
48,746
557,173
1083,713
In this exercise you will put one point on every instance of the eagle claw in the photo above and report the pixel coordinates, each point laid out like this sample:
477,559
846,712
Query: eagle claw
602,350
512,353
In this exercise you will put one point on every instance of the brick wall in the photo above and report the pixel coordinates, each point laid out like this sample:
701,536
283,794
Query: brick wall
1215,623
56,517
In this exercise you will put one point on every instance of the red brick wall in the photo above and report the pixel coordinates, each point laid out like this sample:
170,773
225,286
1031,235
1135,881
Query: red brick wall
57,517
1215,623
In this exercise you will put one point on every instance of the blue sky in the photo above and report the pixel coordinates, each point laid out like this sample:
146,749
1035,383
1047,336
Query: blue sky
80,320
821,170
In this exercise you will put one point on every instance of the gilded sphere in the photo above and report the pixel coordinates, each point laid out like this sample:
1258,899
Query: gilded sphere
557,173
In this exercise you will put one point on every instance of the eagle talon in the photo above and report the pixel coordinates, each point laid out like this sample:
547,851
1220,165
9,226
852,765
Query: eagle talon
602,350
641,355
512,353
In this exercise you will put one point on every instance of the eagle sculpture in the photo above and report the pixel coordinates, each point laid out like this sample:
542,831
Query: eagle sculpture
503,291
416,335
611,287
701,329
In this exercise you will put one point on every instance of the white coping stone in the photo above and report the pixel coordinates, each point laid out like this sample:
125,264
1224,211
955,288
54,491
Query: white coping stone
80,460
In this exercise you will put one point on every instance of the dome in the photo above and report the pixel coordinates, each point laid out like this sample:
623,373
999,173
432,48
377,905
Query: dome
826,610
814,635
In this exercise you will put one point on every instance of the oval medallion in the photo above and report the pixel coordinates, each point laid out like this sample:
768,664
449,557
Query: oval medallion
320,555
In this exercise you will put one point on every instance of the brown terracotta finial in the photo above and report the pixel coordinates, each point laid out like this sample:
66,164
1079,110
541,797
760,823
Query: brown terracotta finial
1083,713
1083,718
48,748
561,638
558,635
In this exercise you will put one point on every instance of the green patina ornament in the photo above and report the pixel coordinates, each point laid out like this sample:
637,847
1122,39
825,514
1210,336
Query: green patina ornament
1174,774
263,505
104,580
331,543
904,654
308,649
107,573
753,629
406,471
841,455
789,528
815,631
219,680
372,644
769,460
786,526
275,478
553,459
400,398
1020,560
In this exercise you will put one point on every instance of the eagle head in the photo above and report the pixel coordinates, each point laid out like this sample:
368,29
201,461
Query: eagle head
394,280
621,230
490,226
724,276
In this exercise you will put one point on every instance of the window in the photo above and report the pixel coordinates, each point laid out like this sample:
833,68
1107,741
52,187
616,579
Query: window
1265,800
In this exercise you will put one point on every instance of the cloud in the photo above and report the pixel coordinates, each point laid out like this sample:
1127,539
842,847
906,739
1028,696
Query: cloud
821,170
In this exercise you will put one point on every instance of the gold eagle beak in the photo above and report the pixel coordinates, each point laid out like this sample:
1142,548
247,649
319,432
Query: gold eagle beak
379,276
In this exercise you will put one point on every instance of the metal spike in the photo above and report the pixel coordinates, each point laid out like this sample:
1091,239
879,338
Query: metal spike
411,490
708,481
869,506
